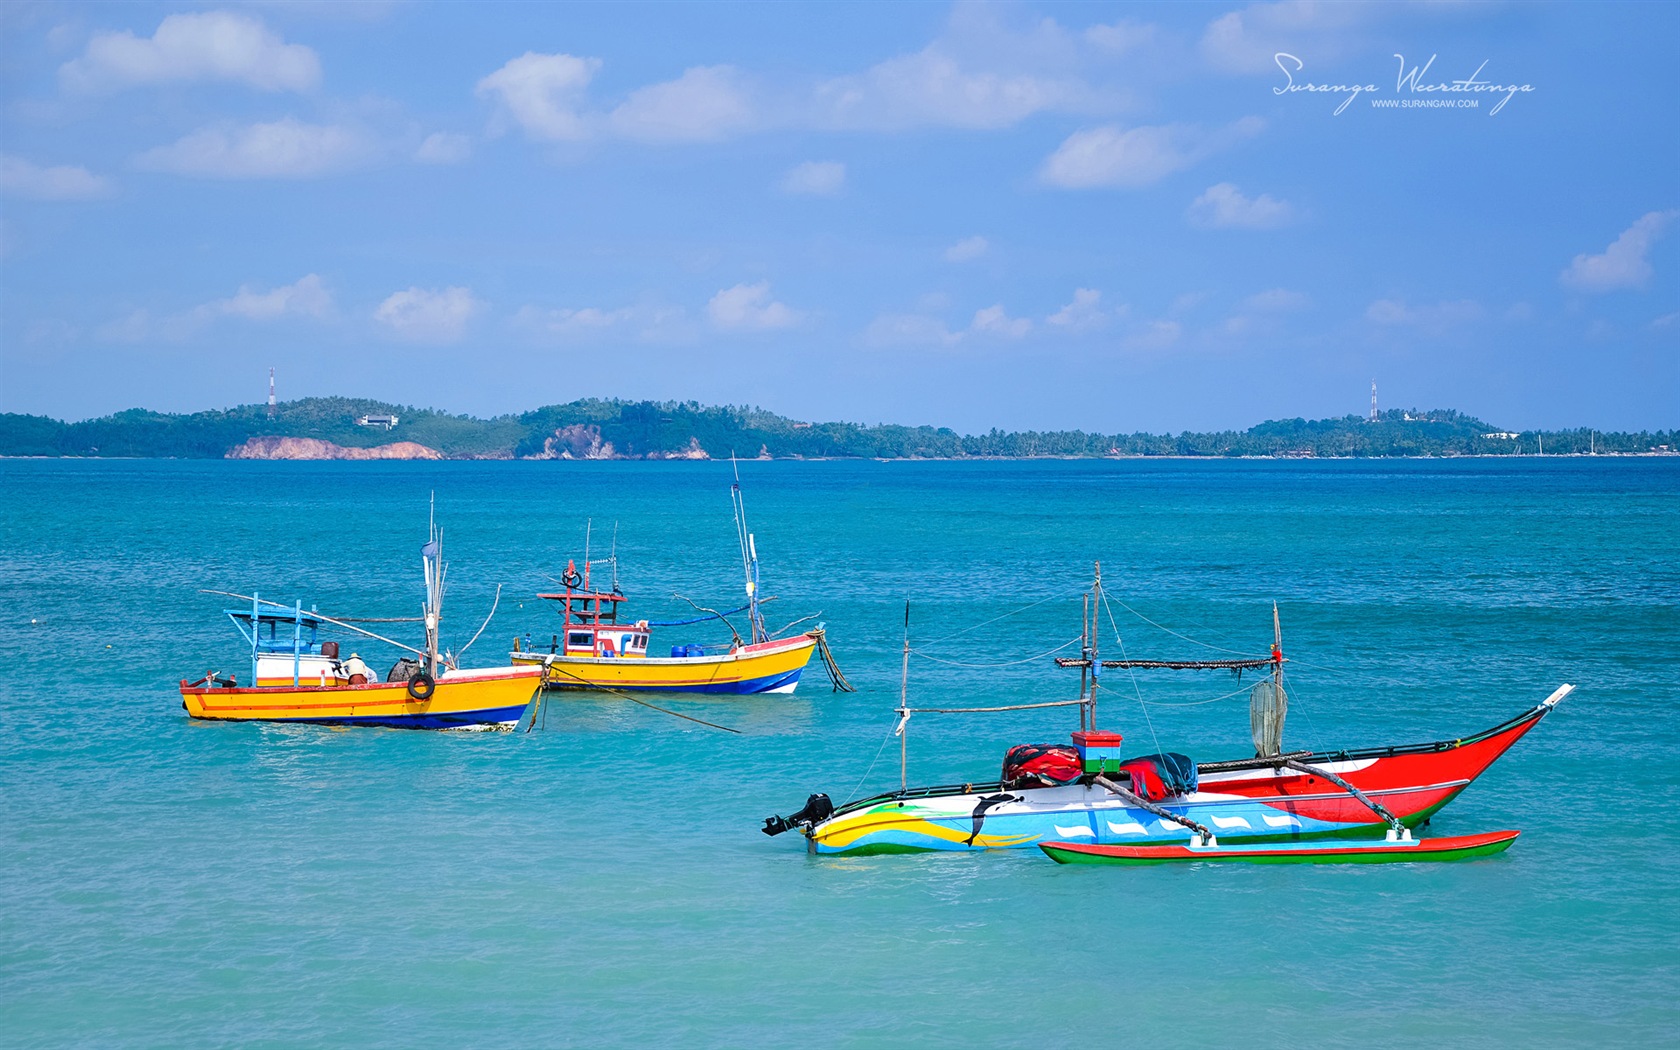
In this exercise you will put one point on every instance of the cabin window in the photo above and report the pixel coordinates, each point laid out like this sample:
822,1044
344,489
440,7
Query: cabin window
580,640
639,641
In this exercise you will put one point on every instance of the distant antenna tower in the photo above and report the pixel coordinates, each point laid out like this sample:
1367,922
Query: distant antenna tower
1373,400
271,392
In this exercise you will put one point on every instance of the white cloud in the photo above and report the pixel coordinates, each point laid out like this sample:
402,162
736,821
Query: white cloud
1223,206
967,250
543,93
1115,156
815,178
21,178
285,149
932,88
1434,318
749,306
306,296
1245,41
1156,335
994,321
1624,264
211,45
909,330
1276,301
1085,313
428,315
1666,321
1121,37
705,104
441,147
572,323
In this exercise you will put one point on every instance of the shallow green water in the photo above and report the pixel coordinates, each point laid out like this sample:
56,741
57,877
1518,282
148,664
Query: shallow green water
603,882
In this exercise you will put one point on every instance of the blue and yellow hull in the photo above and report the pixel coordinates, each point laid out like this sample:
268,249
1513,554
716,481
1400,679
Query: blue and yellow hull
462,699
769,667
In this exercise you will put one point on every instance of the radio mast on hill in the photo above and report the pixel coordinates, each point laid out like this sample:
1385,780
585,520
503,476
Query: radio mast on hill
1373,400
271,392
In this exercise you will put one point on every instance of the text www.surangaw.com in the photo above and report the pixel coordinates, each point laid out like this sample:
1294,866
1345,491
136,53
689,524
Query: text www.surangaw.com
1425,103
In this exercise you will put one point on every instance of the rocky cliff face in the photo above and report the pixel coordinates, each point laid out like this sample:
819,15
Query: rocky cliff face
310,448
577,441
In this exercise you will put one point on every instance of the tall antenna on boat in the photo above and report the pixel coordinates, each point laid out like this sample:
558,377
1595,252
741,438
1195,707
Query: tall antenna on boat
615,558
588,526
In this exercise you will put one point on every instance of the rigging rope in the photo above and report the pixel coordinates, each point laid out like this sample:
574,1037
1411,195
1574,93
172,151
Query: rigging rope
1005,616
1007,663
1175,634
1120,641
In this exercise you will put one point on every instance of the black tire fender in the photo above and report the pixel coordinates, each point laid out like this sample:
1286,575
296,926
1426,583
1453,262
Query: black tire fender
421,686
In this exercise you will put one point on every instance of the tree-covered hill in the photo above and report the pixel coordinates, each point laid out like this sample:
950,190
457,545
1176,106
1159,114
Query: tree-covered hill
657,430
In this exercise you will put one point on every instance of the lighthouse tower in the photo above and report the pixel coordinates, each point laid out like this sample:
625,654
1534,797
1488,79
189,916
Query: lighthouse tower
1373,400
271,392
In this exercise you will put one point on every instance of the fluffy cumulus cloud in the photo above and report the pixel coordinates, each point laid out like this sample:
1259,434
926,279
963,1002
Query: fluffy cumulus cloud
815,178
1114,156
1276,301
909,330
210,45
22,178
543,94
441,147
747,307
1223,206
994,321
967,250
705,104
284,149
306,297
1085,313
1626,263
1432,318
428,315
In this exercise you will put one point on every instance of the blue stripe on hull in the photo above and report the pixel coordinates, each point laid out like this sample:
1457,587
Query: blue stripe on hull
745,685
454,720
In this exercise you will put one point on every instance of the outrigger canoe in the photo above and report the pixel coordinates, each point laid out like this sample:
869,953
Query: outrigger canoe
1089,795
1248,801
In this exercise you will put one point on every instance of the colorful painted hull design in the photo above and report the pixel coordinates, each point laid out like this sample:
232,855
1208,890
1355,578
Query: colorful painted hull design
1449,847
1263,804
768,667
462,699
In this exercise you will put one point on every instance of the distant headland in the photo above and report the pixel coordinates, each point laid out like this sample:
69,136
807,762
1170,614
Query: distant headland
346,428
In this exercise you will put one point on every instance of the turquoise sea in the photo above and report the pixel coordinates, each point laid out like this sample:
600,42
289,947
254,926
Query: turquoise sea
602,881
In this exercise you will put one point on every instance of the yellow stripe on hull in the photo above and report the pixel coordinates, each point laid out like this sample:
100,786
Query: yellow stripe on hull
491,696
734,672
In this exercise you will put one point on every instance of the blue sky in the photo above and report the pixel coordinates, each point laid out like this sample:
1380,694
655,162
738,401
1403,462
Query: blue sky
1114,217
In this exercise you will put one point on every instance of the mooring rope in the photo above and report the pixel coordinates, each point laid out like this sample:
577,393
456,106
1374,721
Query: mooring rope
548,665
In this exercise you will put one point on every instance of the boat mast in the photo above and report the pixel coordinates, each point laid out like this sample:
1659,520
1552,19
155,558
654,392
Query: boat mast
749,556
431,563
1096,664
904,708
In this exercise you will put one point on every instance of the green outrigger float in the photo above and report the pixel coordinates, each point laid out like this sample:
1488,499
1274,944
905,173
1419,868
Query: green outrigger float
1394,850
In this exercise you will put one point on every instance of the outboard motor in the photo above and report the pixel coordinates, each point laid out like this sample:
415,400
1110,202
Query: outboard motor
817,809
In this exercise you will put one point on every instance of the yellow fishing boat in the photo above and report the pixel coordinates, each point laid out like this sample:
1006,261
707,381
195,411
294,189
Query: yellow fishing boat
298,677
593,649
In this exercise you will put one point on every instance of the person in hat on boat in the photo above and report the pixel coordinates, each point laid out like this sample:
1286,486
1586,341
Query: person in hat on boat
358,672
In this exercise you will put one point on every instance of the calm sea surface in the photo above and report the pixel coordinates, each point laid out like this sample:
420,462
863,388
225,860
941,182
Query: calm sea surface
602,881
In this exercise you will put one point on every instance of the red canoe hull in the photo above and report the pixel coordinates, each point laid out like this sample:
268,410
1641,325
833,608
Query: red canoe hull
1452,847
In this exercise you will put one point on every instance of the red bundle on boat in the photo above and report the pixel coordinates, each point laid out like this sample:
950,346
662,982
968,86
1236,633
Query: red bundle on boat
1047,764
